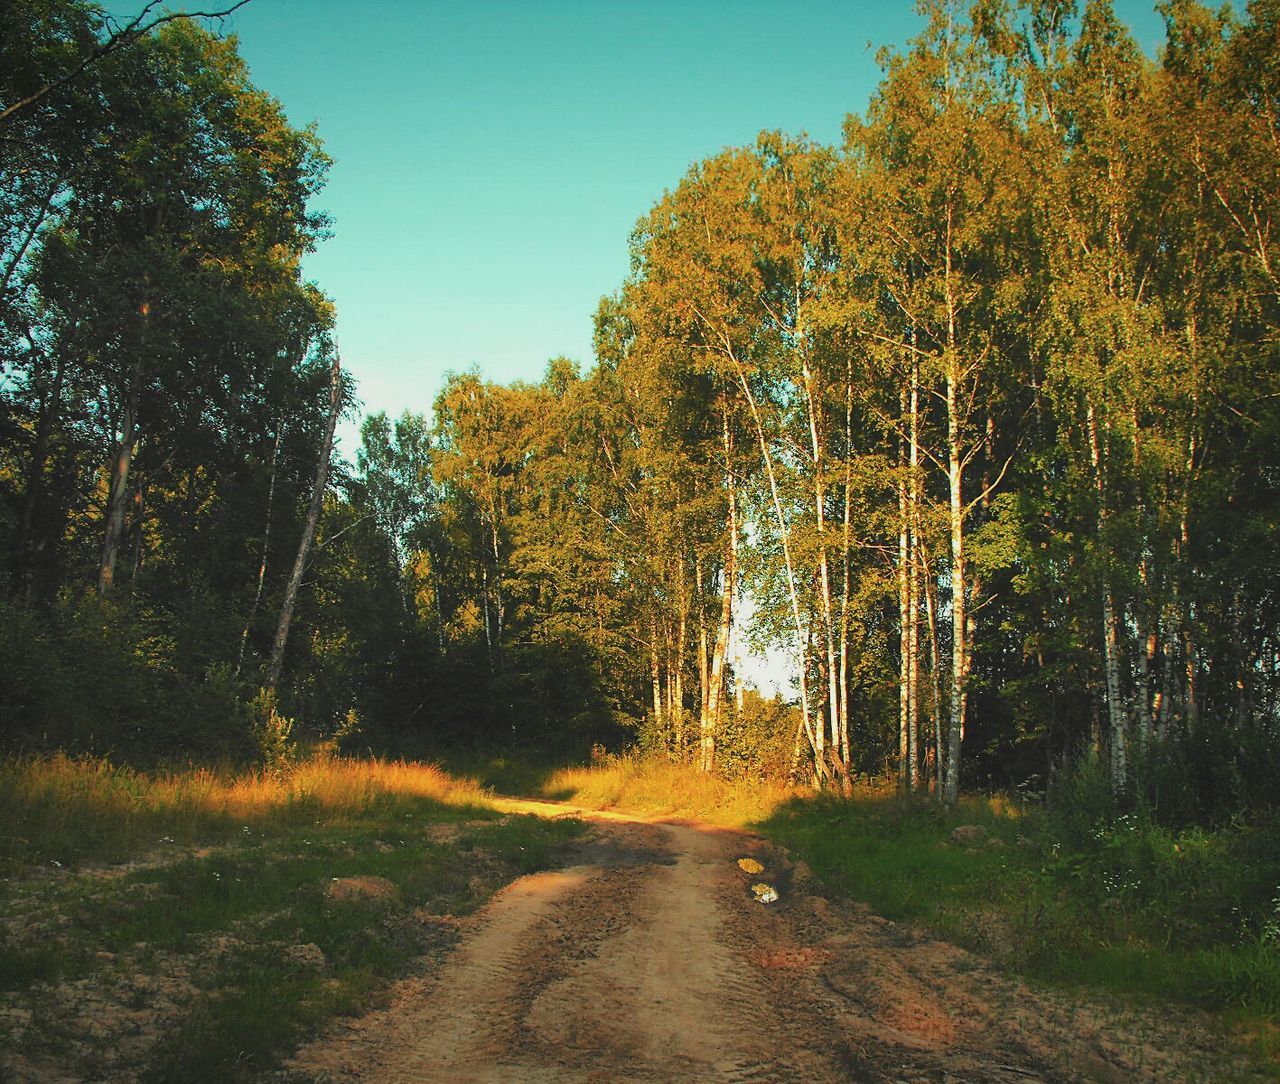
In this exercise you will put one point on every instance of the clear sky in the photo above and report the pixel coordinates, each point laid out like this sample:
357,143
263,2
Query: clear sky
492,157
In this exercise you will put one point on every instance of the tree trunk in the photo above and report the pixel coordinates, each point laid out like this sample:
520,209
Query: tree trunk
308,528
24,542
935,670
499,606
913,580
817,448
704,676
139,519
904,615
711,717
846,550
262,562
655,678
959,626
117,493
1110,631
677,667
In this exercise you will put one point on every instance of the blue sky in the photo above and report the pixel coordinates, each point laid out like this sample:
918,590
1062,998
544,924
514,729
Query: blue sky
491,158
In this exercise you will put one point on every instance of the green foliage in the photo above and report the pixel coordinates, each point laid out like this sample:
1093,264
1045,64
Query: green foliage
88,676
272,733
755,742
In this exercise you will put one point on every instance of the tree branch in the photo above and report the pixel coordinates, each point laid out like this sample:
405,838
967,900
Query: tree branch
133,31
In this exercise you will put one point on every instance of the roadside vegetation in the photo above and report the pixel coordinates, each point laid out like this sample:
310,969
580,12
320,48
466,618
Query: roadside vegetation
194,925
1075,893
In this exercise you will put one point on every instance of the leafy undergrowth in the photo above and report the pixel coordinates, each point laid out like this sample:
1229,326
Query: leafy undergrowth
222,938
1128,907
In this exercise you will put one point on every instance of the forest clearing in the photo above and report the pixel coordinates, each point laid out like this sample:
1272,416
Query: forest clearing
907,526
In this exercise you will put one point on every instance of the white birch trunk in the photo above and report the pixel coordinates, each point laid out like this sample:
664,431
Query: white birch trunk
1110,631
308,528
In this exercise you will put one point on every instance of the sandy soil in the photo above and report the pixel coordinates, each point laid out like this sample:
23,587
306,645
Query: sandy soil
650,960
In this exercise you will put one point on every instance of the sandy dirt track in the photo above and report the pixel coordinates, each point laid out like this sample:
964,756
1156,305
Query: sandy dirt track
649,960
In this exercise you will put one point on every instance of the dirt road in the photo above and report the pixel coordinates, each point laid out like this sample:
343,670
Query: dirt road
649,959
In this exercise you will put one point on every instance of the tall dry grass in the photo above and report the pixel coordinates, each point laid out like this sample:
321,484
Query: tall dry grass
659,787
65,810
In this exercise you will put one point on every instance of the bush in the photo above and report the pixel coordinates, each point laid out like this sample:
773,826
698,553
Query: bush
272,733
88,676
1185,884
755,741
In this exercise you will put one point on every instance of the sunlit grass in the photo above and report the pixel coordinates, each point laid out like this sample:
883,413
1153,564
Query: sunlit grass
658,787
243,860
66,810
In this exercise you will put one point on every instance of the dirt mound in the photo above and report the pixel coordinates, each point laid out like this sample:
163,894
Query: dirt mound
353,889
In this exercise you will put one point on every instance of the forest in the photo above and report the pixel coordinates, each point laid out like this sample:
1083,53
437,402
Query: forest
974,417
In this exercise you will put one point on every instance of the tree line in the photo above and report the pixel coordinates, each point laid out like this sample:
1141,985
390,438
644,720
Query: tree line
974,415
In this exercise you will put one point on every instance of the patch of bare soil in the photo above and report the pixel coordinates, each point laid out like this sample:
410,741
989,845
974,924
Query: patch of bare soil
650,960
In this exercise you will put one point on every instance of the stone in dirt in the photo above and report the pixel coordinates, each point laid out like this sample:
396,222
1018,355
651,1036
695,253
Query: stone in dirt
765,893
750,865
351,889
968,834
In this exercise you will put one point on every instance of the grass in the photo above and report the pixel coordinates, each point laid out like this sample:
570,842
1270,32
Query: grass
225,885
1135,910
244,859
65,811
651,786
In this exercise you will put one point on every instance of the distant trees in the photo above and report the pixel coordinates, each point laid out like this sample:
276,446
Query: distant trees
950,405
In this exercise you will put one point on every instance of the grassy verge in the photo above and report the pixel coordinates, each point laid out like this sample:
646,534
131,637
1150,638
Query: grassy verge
652,786
1130,908
219,938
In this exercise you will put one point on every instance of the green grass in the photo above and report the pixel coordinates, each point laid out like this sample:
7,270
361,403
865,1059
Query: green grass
1130,908
230,873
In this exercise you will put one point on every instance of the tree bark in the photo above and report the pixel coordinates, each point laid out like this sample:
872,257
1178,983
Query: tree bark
955,486
1110,632
913,579
711,717
121,461
959,626
24,543
904,613
262,562
308,528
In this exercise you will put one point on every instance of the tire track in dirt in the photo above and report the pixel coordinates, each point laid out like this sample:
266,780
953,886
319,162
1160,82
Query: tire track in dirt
649,961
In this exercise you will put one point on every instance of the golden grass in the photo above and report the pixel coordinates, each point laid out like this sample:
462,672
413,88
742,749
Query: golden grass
64,808
654,786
